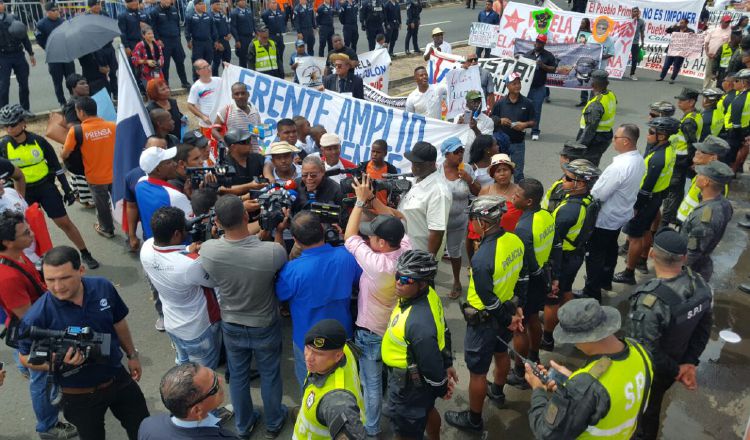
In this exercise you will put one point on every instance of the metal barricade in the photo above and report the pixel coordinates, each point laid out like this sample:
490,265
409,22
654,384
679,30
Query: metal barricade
30,12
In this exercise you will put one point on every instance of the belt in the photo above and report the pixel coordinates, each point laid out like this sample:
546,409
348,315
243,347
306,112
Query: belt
88,390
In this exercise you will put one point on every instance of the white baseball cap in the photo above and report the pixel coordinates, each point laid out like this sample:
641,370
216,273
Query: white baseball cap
153,156
329,139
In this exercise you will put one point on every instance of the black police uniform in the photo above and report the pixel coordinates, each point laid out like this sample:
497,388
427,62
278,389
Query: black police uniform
166,24
105,56
130,27
325,22
566,263
392,23
676,191
221,24
372,17
12,58
348,17
201,32
304,23
58,71
413,12
275,21
243,28
672,319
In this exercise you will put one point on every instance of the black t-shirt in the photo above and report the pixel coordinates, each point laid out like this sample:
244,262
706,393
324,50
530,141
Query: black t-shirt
6,169
540,76
520,111
69,112
254,168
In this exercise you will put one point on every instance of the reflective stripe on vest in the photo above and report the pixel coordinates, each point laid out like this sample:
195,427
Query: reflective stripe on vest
265,59
692,199
670,157
548,196
307,426
678,141
543,230
626,384
576,228
730,119
508,262
30,159
609,102
726,55
395,348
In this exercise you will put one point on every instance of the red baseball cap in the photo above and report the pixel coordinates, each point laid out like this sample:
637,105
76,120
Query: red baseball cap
726,18
542,38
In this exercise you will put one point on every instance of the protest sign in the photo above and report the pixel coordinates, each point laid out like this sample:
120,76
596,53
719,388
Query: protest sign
358,123
374,95
518,23
483,34
459,82
715,14
686,45
575,63
310,71
440,63
501,67
374,69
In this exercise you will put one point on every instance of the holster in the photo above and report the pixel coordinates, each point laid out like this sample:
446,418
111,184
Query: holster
473,316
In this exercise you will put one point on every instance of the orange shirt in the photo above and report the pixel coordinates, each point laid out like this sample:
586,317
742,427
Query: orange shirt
378,174
97,149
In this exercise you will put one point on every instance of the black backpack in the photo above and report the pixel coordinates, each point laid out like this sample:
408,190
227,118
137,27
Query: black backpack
589,221
74,162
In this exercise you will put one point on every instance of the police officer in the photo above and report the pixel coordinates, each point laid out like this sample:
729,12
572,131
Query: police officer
598,118
711,149
660,109
305,25
222,50
604,398
671,316
58,71
130,25
200,34
13,41
263,55
413,13
243,28
166,24
555,194
724,55
103,60
392,12
348,13
705,226
325,21
536,229
691,126
332,404
491,311
737,117
573,226
416,349
275,21
660,160
713,116
372,17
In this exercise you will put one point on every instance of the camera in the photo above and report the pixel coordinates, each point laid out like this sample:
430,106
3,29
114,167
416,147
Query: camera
346,183
273,199
201,230
225,173
329,214
396,185
94,346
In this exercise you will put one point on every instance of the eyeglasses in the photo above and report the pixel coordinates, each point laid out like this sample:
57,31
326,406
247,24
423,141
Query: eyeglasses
310,175
569,179
211,392
404,280
339,65
202,67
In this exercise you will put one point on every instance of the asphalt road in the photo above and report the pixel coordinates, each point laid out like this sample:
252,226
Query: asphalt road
719,409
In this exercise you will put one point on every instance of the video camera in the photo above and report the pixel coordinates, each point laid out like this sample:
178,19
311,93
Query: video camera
396,185
224,172
94,346
200,230
346,183
329,214
273,199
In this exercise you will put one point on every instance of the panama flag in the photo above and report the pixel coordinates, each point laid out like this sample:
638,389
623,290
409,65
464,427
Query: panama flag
133,128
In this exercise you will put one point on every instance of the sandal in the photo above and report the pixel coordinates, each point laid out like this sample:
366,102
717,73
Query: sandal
456,292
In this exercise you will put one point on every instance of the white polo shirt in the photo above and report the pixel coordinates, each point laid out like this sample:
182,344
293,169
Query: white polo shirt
426,207
617,189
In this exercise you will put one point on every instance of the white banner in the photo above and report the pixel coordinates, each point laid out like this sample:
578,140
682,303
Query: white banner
714,15
483,34
687,45
440,63
374,68
310,71
357,122
459,82
501,67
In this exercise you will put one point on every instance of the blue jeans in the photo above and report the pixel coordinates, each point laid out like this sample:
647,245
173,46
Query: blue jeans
242,343
537,95
46,414
371,376
517,152
204,350
300,369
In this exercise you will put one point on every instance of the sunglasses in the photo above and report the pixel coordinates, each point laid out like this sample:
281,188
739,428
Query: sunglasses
569,179
211,392
404,280
310,175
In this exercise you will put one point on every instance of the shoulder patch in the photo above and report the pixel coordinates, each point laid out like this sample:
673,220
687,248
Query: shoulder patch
551,414
706,214
649,300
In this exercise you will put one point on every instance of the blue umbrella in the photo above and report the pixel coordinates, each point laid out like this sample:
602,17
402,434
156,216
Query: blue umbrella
80,36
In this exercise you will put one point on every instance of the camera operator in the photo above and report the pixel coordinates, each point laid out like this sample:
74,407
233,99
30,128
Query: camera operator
189,156
330,150
247,164
244,269
315,186
88,388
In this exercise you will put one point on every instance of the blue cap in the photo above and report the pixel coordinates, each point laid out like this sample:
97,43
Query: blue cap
299,43
451,144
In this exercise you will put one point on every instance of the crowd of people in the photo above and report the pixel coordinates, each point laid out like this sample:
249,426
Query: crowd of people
349,253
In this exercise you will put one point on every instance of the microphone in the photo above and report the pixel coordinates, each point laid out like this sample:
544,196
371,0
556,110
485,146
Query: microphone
396,176
290,184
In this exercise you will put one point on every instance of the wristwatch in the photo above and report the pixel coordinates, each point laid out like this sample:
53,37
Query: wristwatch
359,204
132,356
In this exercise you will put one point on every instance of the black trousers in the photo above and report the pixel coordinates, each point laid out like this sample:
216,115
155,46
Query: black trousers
308,35
601,259
372,33
484,50
411,34
109,58
675,62
221,55
598,146
202,50
635,50
648,427
325,34
58,72
173,51
279,40
392,36
17,64
124,398
351,35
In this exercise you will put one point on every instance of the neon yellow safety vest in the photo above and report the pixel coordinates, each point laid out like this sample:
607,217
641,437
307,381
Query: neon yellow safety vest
265,59
627,382
30,159
307,426
691,200
745,118
508,263
395,348
670,157
543,230
721,105
576,228
678,141
726,55
609,102
548,196
717,121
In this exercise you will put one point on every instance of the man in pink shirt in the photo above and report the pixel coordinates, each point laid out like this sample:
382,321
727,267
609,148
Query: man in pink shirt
714,39
386,241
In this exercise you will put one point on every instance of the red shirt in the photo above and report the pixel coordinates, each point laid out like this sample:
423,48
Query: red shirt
17,290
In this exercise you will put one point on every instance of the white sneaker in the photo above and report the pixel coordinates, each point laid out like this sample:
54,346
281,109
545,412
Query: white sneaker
61,431
534,137
159,325
633,78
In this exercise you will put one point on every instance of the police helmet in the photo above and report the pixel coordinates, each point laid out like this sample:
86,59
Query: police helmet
17,30
665,125
583,169
743,74
11,114
663,108
489,208
712,94
417,264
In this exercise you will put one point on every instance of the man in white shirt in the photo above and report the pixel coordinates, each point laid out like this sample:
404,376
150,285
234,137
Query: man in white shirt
479,122
427,98
714,39
437,43
617,190
192,318
203,93
330,149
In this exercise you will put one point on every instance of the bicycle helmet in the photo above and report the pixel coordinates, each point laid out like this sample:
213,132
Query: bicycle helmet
712,94
583,169
663,108
11,114
417,264
489,208
743,74
665,125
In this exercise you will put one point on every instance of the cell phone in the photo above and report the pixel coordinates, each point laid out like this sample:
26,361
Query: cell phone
557,376
467,116
2,365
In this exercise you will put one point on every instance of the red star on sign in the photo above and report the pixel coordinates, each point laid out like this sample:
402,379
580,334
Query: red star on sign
513,20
